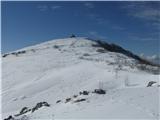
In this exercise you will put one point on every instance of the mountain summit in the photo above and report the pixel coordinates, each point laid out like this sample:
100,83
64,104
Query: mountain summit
78,78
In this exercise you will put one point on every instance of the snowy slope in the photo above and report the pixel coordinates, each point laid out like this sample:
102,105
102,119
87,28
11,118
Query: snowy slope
58,69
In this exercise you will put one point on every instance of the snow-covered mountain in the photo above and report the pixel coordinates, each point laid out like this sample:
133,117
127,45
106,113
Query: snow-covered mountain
64,75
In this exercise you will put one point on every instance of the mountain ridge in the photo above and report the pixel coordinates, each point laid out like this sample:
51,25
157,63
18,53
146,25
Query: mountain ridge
112,47
116,48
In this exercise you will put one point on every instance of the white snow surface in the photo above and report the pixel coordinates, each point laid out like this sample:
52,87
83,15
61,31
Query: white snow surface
50,73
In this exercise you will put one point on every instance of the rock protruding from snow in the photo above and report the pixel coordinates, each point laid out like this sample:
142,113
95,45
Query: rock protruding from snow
99,91
39,105
151,83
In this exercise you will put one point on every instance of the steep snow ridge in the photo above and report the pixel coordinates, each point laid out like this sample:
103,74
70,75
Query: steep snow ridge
58,69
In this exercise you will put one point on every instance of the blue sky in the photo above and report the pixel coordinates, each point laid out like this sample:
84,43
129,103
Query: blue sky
133,25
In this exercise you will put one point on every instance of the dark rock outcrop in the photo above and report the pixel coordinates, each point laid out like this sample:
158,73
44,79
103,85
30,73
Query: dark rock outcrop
99,91
58,101
79,100
68,100
39,105
23,111
74,96
10,118
5,55
84,93
151,83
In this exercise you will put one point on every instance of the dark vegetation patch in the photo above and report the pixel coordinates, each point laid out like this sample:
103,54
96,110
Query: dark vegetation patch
96,45
151,69
118,49
101,50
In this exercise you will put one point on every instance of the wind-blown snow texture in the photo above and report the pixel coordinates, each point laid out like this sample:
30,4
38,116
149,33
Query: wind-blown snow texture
58,69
